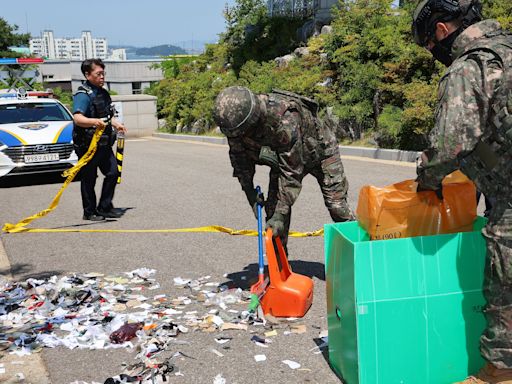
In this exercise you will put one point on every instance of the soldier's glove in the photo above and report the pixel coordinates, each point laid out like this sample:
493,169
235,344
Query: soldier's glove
438,191
276,222
254,199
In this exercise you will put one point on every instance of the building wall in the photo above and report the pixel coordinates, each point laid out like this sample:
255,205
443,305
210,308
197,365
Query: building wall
123,77
138,113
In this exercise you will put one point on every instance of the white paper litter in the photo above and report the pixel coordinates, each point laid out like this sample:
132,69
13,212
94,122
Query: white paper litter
292,364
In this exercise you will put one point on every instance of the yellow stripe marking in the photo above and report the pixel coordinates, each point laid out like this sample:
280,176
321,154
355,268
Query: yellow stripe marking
59,132
119,156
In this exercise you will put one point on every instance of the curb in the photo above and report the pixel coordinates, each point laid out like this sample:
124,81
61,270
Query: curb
345,150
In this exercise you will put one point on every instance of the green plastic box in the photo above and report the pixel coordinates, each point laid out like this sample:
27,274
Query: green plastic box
405,311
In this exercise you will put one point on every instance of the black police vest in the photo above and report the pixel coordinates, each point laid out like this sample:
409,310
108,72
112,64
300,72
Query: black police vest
101,107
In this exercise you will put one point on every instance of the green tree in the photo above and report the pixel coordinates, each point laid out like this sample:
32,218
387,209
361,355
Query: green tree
251,34
9,37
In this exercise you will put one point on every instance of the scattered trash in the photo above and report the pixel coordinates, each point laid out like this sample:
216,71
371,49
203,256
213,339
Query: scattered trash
291,364
259,358
219,379
217,352
100,311
125,333
298,328
223,339
260,341
271,333
231,326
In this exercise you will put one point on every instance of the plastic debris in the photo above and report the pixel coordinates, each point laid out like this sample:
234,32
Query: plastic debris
125,333
100,311
219,379
292,364
217,352
260,358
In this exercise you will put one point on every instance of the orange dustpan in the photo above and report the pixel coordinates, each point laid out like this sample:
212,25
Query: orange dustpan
289,294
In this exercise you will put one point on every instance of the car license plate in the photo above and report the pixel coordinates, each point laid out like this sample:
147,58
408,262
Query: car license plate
42,157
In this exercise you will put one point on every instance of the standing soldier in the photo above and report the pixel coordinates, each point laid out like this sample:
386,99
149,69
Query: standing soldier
91,106
281,130
473,133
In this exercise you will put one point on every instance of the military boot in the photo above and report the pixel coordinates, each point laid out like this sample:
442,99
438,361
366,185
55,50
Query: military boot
489,374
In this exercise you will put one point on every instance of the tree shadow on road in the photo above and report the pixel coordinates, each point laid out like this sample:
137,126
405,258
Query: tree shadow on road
22,271
249,275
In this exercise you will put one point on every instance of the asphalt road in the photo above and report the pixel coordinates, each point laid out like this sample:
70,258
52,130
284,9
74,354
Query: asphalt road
170,184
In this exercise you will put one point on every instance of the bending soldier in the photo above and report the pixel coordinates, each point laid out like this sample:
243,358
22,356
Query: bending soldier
473,133
281,130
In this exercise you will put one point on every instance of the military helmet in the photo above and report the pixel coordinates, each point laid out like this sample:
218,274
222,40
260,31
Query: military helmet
237,110
430,12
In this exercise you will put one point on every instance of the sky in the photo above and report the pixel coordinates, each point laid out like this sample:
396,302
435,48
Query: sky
141,23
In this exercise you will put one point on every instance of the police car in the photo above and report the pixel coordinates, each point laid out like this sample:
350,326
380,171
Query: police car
35,134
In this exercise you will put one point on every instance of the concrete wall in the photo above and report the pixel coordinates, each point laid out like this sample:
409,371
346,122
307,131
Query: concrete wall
138,113
120,75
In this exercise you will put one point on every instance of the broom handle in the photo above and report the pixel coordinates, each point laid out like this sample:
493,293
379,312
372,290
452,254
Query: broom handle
260,237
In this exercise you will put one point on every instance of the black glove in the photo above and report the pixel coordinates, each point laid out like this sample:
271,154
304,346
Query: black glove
254,199
438,191
276,222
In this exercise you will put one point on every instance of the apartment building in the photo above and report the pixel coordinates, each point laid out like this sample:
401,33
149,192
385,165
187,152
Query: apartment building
84,47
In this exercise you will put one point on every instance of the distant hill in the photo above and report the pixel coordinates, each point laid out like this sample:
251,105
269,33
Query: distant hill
160,50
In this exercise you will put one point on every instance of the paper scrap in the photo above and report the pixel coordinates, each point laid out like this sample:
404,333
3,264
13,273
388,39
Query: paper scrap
292,364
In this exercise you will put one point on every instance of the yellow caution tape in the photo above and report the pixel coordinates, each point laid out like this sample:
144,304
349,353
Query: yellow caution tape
210,228
70,175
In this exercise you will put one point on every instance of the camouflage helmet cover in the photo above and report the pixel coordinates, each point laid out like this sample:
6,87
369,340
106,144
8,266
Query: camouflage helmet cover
236,111
430,12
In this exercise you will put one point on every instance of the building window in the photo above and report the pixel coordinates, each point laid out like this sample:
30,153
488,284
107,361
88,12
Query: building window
136,87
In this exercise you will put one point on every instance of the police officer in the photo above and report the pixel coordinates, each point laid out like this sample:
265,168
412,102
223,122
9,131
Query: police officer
92,107
473,133
281,130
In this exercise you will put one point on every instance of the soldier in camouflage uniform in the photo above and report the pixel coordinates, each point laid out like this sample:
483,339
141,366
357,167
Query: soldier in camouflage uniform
281,130
473,133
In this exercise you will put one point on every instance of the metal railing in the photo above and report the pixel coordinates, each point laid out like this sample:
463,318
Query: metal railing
293,8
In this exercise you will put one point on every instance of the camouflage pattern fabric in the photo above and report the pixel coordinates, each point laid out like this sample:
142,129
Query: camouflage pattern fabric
303,145
466,137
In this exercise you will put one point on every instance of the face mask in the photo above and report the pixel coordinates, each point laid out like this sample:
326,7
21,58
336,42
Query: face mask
442,50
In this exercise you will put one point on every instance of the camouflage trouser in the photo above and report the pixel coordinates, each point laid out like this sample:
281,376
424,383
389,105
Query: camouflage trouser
496,341
333,184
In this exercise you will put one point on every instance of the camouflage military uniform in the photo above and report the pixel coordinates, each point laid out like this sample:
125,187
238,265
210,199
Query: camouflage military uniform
303,145
469,135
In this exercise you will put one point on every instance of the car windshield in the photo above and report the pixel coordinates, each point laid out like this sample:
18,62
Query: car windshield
31,112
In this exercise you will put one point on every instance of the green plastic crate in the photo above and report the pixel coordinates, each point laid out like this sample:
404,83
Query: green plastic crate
407,310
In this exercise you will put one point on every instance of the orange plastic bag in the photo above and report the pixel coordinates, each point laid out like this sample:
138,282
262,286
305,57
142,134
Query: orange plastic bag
398,211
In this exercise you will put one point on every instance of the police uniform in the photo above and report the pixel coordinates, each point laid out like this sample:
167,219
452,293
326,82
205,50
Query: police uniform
95,102
294,142
473,133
